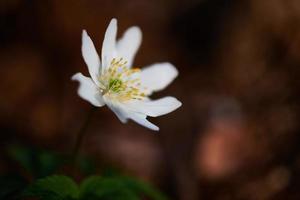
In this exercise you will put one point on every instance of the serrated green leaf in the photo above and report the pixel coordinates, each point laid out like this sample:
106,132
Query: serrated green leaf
55,187
118,187
102,188
89,184
143,188
99,186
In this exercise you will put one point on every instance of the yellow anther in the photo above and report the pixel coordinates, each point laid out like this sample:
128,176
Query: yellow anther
119,84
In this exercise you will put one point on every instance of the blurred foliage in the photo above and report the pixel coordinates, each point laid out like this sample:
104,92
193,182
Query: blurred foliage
86,165
95,187
53,188
41,165
38,163
11,186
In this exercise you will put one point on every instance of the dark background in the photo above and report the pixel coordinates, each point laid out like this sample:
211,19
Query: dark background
236,135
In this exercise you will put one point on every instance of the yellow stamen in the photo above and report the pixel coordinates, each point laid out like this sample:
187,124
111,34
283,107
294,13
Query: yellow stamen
119,83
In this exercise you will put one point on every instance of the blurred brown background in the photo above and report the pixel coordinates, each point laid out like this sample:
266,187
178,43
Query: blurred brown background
236,135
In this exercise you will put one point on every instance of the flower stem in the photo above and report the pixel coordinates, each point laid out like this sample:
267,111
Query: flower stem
82,132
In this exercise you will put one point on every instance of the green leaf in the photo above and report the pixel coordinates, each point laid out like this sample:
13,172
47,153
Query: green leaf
143,188
55,187
96,187
117,187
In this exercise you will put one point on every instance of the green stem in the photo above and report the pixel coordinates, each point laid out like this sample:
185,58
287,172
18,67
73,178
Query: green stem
82,132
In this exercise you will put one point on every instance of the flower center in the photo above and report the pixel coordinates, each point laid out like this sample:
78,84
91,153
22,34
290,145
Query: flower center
120,82
115,85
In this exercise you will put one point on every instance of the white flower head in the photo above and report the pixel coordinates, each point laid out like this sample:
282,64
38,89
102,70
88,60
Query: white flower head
115,83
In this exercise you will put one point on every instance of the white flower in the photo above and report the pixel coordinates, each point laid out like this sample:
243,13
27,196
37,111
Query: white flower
123,89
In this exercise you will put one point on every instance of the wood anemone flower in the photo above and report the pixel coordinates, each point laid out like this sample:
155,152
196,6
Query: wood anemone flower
115,83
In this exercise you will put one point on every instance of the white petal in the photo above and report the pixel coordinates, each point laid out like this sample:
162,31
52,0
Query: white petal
158,76
128,45
122,112
141,119
109,44
117,109
88,90
90,56
155,108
